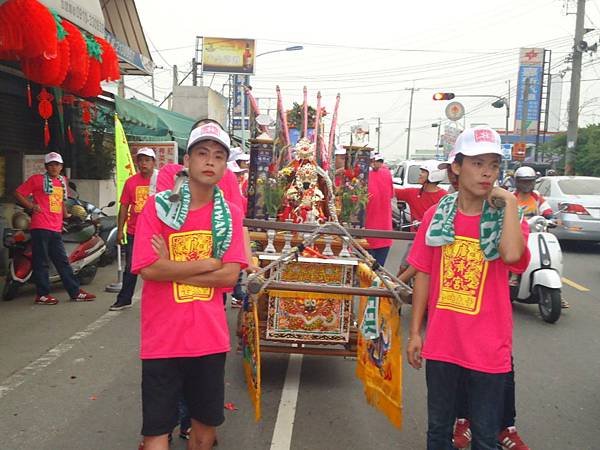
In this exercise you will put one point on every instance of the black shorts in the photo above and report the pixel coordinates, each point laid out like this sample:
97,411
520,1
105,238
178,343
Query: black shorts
201,382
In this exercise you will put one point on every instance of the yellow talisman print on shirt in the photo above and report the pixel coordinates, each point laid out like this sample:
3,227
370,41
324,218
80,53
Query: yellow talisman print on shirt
463,273
190,246
56,199
141,195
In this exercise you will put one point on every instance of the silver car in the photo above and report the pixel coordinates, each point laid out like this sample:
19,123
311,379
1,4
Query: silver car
576,202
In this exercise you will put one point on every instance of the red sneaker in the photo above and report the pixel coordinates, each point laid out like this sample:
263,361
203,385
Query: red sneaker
83,296
509,439
462,433
46,300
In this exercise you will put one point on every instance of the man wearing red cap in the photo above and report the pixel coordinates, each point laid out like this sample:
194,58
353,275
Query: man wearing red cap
45,194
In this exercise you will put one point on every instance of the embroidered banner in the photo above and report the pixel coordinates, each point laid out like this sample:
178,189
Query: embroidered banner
251,355
379,354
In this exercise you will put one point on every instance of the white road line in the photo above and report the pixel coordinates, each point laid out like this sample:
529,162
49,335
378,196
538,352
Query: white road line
284,424
18,378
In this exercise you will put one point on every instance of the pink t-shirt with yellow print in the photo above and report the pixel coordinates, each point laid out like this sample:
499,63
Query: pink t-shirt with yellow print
179,320
135,193
469,313
51,215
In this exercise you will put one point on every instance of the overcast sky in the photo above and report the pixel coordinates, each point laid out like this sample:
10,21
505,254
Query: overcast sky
372,52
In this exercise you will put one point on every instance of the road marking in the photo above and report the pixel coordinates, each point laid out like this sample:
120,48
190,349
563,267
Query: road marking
284,424
574,285
32,369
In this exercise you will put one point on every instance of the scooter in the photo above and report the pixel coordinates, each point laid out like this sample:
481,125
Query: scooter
541,283
107,225
82,244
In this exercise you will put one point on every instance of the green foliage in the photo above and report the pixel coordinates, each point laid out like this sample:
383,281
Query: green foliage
588,150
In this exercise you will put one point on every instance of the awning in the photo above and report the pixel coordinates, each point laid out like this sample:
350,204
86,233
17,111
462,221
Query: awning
125,33
145,121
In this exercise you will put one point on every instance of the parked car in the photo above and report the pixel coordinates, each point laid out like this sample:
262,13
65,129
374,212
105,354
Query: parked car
576,202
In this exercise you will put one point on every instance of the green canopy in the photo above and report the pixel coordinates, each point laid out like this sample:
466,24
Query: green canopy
143,121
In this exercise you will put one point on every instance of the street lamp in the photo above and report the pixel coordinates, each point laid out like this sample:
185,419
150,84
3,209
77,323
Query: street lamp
287,49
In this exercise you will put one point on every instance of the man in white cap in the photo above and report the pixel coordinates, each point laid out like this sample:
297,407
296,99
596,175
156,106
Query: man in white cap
188,252
45,195
463,252
133,198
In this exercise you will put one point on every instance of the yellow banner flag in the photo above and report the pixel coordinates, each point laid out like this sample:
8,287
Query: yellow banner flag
124,163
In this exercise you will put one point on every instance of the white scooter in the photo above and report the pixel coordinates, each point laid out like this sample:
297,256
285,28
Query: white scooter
541,283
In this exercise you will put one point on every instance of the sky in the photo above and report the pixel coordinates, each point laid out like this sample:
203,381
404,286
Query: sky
374,52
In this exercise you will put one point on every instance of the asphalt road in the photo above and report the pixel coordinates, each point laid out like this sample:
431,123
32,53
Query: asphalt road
70,376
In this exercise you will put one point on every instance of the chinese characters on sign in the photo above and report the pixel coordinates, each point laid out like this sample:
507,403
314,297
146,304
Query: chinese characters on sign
166,152
529,91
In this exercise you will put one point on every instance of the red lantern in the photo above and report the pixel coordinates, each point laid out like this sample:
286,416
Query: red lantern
48,71
78,58
110,63
92,88
45,110
28,29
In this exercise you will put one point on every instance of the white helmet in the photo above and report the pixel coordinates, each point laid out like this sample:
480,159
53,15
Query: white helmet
525,173
434,174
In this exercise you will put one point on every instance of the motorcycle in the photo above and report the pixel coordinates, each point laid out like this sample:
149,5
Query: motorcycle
107,225
83,247
541,282
400,221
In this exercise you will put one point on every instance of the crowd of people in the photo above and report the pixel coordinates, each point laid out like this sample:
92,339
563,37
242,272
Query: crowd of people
192,253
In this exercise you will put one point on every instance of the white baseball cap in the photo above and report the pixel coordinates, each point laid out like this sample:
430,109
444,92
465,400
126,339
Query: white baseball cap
339,150
234,167
146,151
53,157
209,132
243,157
478,141
376,156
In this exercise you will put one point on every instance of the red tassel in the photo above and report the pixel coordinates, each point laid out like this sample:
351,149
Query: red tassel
46,134
86,137
70,136
29,95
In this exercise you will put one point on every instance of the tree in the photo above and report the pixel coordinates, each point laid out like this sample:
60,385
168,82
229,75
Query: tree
587,150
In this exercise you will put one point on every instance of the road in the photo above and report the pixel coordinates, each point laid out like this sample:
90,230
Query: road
70,379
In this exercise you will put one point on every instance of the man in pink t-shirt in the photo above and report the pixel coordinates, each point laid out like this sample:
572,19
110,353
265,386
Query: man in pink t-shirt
187,254
133,198
49,192
379,208
462,284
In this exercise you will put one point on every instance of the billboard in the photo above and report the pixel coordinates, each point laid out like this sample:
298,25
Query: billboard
529,91
224,55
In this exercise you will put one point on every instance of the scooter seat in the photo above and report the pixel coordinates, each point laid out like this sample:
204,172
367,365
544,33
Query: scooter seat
80,234
107,223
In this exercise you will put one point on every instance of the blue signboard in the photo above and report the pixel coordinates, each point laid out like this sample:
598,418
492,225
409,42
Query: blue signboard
530,76
506,152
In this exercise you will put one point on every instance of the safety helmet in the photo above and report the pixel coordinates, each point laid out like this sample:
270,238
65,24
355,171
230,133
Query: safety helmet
20,221
78,211
525,173
434,174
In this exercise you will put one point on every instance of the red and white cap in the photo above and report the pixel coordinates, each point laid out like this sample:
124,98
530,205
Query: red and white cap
478,141
53,157
146,151
209,132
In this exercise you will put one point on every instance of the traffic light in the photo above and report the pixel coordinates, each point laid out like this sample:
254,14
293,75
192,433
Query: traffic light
443,96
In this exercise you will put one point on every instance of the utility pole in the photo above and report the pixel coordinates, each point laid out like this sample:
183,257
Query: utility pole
412,93
378,132
571,153
174,86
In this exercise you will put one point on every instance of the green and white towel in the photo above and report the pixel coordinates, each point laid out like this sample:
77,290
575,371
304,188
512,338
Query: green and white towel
174,214
48,185
441,228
